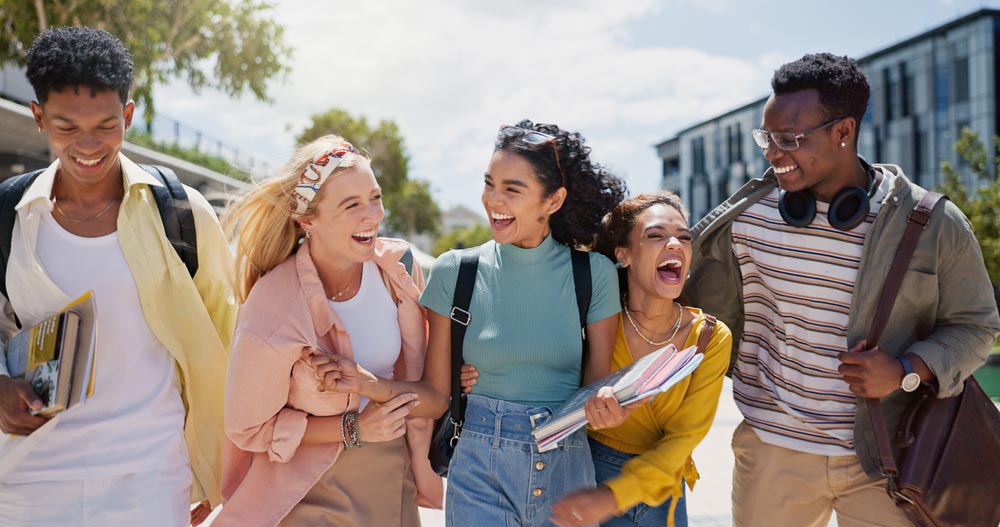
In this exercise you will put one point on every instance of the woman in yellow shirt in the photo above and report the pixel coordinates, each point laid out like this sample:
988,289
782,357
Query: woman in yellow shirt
643,463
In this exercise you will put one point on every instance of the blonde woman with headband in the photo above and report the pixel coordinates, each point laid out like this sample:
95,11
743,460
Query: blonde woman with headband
317,281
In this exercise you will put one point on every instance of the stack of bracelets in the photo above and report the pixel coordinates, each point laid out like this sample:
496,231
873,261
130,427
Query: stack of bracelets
349,429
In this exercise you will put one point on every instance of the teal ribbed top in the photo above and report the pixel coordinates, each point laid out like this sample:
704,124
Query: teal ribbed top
524,337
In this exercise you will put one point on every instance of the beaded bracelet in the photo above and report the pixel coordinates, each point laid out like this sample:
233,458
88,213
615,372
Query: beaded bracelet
349,430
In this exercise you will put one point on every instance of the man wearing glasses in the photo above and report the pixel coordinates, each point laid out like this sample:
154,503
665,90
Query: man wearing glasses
793,263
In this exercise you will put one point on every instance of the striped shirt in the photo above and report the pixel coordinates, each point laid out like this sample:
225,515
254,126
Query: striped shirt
797,287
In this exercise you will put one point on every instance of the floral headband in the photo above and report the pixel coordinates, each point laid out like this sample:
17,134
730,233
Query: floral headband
316,173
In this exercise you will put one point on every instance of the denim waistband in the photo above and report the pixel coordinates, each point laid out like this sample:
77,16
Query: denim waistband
507,420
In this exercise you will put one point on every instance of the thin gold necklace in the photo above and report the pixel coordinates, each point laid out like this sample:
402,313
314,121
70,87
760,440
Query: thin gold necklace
77,220
340,293
673,332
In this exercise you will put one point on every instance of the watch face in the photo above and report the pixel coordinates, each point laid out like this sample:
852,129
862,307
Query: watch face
911,381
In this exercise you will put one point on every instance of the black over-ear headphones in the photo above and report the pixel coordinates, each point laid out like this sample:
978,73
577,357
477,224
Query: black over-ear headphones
847,210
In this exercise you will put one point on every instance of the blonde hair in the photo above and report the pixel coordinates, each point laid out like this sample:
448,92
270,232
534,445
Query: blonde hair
262,224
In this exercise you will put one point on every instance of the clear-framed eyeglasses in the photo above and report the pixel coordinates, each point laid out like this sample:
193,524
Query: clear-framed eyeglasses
786,141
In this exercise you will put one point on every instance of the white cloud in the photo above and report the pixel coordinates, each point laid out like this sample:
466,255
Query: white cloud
450,72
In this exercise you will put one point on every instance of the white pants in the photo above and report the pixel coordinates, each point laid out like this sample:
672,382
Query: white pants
146,499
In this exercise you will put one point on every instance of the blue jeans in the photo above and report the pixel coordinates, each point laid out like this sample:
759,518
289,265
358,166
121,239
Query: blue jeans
608,464
497,477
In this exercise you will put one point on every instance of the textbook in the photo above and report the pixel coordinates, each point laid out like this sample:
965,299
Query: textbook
56,356
650,375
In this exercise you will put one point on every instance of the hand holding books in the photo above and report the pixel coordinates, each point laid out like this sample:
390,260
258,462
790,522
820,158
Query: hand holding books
604,411
644,378
17,399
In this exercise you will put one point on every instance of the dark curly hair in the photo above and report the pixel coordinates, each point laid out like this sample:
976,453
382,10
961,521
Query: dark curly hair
618,224
591,190
842,86
74,57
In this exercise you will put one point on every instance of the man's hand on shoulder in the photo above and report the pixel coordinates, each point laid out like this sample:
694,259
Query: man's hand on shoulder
16,397
871,373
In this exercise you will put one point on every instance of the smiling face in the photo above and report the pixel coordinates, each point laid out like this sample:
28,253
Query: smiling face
85,131
347,213
659,252
817,163
515,201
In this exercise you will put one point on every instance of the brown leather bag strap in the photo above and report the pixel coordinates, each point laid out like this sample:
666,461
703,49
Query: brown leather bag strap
706,333
915,225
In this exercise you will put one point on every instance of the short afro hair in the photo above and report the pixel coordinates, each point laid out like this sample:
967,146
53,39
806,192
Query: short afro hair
75,57
842,86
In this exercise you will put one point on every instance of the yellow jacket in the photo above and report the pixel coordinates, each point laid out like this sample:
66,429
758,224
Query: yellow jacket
193,319
665,431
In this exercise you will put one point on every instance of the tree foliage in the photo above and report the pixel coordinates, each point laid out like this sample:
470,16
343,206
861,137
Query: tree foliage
982,205
410,207
462,238
230,45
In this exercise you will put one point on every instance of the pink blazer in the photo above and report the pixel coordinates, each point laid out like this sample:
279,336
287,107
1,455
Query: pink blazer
270,390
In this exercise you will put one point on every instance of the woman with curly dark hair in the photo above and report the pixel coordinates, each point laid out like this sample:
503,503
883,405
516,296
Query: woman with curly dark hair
543,197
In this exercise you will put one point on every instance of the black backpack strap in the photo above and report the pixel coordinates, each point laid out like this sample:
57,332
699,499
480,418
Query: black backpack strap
584,285
11,192
176,215
460,318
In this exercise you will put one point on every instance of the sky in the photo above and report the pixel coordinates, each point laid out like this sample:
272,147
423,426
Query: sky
626,74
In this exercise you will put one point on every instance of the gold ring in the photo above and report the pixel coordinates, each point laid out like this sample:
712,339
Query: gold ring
576,515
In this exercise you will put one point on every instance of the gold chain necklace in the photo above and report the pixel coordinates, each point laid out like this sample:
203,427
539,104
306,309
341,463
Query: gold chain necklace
77,220
350,283
673,332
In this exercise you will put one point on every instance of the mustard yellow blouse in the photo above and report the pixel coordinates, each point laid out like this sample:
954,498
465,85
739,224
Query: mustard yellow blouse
665,431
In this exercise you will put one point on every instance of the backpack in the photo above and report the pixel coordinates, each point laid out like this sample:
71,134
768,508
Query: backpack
171,200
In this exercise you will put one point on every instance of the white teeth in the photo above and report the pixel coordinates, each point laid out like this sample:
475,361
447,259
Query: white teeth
498,216
365,234
88,162
670,262
784,170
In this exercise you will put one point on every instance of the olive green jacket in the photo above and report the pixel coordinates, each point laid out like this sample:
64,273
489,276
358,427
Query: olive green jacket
945,312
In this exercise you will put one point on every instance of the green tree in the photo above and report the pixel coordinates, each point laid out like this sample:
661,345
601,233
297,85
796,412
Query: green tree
410,207
982,206
233,46
467,237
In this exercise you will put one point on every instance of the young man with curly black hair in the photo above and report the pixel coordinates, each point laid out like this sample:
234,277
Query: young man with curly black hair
793,263
148,442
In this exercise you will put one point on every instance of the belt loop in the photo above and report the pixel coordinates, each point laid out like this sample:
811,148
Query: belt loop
497,427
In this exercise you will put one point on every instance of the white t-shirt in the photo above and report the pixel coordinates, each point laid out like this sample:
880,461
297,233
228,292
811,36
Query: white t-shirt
371,321
134,421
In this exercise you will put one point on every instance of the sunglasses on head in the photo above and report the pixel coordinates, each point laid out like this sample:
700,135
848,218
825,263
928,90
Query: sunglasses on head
533,138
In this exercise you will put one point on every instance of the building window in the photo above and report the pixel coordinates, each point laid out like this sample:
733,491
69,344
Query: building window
888,93
908,92
941,92
738,142
961,69
698,155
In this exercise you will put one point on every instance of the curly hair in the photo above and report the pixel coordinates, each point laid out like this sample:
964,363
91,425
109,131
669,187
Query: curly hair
591,190
617,226
74,57
842,86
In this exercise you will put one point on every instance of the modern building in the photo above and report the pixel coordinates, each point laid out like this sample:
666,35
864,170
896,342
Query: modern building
925,90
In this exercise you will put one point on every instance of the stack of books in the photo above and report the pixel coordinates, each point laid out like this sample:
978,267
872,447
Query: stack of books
56,356
655,373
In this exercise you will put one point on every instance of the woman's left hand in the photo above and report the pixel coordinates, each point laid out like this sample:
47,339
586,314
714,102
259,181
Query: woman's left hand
603,410
337,373
584,507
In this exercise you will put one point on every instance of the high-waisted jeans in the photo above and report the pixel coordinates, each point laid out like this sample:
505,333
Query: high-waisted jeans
497,477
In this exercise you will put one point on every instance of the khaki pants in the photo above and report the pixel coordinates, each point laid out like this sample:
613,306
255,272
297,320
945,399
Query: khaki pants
778,487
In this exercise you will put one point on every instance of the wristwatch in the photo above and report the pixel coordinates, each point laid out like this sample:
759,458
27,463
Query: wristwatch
911,379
